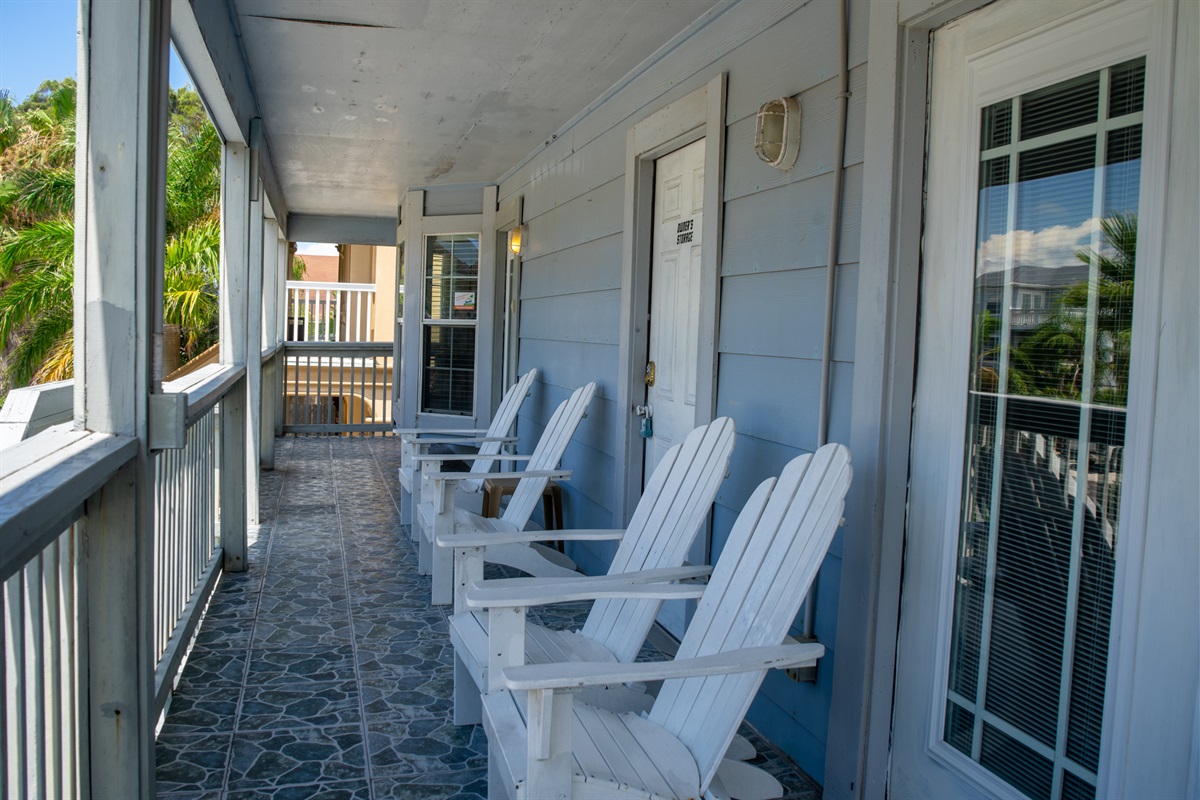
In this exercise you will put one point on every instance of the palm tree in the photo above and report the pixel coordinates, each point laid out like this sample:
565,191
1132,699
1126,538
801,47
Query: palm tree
1114,304
1057,346
37,235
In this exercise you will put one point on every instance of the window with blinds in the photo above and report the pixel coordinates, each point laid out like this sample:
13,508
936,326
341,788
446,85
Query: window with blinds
1054,277
448,355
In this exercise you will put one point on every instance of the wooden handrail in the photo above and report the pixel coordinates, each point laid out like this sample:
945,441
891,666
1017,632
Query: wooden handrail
44,482
205,387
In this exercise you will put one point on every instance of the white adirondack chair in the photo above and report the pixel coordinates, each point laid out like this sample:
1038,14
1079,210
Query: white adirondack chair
438,515
417,441
670,512
542,744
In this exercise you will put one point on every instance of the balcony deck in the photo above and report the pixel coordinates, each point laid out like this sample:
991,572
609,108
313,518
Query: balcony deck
323,671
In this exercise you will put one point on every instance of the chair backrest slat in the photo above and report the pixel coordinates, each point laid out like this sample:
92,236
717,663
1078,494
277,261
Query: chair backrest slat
775,549
503,419
672,509
547,454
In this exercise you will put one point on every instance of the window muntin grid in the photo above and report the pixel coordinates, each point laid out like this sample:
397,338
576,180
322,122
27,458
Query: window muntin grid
1057,221
451,277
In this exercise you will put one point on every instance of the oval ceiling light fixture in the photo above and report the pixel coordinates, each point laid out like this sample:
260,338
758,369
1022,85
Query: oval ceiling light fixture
777,132
514,239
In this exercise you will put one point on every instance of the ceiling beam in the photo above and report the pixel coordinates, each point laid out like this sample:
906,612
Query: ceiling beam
342,230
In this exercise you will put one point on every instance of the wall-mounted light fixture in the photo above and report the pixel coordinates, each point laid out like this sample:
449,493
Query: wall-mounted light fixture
514,239
777,132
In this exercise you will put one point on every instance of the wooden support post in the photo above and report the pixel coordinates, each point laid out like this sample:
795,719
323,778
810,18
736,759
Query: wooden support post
286,251
270,306
235,272
254,322
119,651
232,494
119,243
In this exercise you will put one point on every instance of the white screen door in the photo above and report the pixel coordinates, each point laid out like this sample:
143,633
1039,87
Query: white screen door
675,317
1034,183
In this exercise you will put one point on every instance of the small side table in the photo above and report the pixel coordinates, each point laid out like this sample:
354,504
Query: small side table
494,489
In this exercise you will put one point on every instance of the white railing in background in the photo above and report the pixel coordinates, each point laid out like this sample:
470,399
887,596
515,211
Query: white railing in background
42,668
330,312
338,388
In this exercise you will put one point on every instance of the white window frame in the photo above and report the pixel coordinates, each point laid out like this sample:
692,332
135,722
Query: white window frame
1105,37
417,227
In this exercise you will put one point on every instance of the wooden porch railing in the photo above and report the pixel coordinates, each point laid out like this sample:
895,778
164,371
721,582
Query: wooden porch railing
342,387
51,487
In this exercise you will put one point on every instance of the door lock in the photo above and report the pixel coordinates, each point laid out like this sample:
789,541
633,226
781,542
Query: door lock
649,376
646,412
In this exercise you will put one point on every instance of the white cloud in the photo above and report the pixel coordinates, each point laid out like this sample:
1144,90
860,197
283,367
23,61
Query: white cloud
1050,247
316,249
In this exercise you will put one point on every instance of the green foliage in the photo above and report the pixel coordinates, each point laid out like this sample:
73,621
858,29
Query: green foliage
49,94
1049,362
37,301
192,274
37,230
186,112
193,164
10,129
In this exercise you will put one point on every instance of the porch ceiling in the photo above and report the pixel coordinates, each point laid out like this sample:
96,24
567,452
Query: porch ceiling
362,100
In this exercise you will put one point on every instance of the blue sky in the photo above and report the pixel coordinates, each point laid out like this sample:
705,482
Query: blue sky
37,42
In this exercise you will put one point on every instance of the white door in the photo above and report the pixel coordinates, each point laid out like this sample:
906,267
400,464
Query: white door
675,317
1035,183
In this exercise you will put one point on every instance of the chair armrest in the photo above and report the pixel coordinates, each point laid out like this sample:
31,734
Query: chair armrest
467,456
462,440
650,584
485,538
553,474
415,433
657,575
576,675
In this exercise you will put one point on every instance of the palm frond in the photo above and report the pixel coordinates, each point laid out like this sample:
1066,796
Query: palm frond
43,191
37,342
49,242
59,363
37,291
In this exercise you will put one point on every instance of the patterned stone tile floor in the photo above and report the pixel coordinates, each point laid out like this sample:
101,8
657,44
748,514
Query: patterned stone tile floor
323,671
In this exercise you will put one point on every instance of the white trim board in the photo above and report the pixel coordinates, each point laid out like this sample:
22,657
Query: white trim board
700,114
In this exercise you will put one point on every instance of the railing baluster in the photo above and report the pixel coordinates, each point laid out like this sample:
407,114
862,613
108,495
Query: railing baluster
351,377
369,300
69,611
14,683
52,707
35,718
337,316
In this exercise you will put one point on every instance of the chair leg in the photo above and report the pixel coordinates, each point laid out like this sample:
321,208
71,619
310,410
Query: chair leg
497,789
443,575
468,706
424,553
